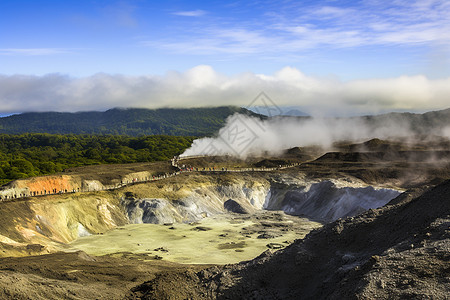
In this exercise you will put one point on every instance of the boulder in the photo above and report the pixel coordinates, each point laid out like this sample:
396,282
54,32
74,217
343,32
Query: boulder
235,207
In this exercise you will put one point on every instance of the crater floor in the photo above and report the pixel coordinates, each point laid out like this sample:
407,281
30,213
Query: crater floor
221,239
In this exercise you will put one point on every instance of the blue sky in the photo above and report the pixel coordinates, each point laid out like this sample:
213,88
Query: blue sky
336,42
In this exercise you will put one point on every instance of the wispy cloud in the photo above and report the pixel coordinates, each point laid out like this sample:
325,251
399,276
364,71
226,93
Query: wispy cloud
190,13
34,51
203,86
297,27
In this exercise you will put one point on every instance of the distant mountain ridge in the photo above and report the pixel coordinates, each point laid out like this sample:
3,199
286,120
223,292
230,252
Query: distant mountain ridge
124,121
185,121
272,111
429,123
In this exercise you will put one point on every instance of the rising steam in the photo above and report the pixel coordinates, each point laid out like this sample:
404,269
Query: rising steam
247,136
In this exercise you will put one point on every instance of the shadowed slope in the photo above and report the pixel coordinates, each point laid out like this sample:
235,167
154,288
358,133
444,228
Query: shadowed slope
400,250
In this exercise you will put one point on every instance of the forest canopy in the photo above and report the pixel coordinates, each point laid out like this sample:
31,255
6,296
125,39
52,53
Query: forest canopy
129,121
35,154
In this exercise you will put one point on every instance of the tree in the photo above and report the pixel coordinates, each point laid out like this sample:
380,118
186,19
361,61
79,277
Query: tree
23,166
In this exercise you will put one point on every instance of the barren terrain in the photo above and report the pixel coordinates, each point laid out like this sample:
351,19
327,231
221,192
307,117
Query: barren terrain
396,251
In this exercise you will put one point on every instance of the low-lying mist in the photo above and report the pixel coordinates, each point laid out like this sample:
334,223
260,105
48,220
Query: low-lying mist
250,136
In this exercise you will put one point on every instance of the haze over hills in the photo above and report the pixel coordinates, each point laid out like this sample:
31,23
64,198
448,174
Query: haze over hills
123,121
419,123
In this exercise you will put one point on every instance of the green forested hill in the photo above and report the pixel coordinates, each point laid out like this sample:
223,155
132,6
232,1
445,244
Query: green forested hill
35,154
131,121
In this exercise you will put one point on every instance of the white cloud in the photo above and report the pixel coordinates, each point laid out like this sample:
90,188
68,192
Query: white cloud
203,86
190,13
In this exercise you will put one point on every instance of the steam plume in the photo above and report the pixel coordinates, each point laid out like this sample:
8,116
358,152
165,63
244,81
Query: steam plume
244,135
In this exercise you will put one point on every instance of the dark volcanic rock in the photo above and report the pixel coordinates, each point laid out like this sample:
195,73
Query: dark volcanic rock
201,228
268,235
35,247
275,246
394,252
233,206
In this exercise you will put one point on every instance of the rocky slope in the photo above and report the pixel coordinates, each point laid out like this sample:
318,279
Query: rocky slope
39,226
395,252
327,200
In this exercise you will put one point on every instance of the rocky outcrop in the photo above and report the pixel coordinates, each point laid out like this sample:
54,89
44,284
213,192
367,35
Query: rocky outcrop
154,211
236,207
327,200
196,202
63,184
53,221
47,185
324,201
